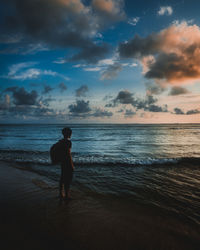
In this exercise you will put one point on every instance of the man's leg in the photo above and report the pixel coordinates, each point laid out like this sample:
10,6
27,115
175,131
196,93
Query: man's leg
61,186
68,181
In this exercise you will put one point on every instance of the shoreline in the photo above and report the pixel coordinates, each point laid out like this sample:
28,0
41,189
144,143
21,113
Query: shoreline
33,218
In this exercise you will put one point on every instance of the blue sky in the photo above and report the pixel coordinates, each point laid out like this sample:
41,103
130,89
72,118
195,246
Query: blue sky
118,61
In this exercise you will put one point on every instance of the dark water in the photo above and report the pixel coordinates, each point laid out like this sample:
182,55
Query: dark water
151,164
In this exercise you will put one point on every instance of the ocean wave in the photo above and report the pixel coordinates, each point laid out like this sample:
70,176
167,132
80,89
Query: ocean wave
43,158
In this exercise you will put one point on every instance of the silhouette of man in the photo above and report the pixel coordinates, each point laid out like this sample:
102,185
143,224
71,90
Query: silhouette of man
67,166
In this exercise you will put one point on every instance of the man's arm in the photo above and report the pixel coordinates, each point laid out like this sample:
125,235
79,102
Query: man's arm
70,158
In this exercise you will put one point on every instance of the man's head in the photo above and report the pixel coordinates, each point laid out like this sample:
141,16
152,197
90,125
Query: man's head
67,132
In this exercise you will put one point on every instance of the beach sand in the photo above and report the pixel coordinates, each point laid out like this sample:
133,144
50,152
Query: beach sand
33,218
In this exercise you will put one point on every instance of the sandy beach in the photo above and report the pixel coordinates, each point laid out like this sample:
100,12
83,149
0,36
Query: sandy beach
33,218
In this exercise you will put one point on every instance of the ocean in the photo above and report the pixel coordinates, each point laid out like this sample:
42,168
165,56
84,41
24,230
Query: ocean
154,165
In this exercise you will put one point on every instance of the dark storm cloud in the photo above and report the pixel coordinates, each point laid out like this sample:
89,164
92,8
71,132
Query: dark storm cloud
47,89
60,23
193,112
81,107
147,104
80,92
23,97
178,91
62,87
49,21
111,72
178,111
101,113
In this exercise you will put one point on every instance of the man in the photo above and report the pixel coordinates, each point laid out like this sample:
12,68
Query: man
67,166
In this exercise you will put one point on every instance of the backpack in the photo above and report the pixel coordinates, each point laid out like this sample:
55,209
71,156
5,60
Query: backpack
57,152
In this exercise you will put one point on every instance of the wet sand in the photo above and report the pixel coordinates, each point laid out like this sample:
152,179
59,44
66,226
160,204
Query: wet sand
33,218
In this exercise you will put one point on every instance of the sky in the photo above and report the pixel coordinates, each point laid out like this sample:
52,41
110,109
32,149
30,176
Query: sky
99,61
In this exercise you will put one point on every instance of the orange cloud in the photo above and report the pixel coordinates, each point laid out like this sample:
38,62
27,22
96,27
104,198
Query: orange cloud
104,5
73,5
172,55
113,8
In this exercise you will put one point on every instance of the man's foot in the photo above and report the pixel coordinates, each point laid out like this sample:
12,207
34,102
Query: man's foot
62,197
68,196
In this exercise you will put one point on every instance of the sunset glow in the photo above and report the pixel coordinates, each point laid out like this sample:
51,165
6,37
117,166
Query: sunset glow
108,61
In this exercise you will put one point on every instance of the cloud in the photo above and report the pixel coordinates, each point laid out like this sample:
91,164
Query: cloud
60,61
129,113
133,21
62,87
124,97
53,73
105,62
27,74
82,91
4,102
19,71
94,69
45,101
10,39
23,48
173,68
107,97
22,71
193,112
15,68
178,111
35,112
120,111
178,91
171,55
21,103
80,108
47,89
91,54
110,10
111,72
155,108
165,10
153,88
57,30
63,23
102,113
44,111
127,98
23,97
